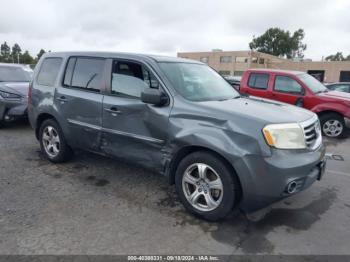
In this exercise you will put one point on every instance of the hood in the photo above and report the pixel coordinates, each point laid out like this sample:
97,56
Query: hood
336,95
20,88
267,111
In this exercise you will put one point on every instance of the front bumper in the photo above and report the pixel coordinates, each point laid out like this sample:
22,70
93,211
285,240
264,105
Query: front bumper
13,109
265,180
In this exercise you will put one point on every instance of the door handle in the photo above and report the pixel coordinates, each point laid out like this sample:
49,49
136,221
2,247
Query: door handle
62,99
113,110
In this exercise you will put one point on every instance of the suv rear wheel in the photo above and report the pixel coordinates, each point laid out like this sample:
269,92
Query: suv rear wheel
333,125
53,143
206,186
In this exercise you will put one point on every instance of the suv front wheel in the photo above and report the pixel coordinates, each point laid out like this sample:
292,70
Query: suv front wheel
53,143
333,125
207,187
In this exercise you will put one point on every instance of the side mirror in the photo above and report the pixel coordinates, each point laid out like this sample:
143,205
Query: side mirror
154,97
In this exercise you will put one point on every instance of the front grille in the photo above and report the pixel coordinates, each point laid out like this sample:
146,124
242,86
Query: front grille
312,133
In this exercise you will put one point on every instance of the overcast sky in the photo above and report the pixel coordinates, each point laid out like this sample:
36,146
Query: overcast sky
167,27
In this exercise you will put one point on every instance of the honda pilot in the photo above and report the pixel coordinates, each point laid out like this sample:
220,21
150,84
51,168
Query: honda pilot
179,118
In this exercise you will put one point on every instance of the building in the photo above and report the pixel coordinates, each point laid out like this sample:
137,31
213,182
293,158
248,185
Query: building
236,62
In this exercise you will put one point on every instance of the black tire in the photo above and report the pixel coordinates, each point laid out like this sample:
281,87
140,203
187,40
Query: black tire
230,184
329,117
65,152
1,123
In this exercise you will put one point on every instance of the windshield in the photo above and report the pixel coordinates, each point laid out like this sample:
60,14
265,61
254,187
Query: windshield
312,83
197,82
15,74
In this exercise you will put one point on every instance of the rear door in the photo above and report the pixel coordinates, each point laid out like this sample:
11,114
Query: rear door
132,129
257,85
287,90
79,101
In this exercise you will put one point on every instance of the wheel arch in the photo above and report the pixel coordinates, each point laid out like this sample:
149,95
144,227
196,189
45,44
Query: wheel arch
41,118
186,150
325,112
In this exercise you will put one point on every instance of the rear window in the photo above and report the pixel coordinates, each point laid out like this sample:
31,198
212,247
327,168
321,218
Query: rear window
259,81
85,73
49,71
15,74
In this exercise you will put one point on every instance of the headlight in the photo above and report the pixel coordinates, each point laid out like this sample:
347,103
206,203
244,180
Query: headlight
9,95
285,136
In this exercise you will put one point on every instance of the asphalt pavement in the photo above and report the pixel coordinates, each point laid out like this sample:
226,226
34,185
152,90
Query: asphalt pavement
97,205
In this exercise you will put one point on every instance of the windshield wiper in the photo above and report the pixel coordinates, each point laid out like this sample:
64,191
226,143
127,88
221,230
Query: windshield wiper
225,99
91,78
322,91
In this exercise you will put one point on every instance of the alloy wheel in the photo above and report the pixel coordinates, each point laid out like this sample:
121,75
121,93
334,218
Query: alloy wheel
202,187
51,141
332,128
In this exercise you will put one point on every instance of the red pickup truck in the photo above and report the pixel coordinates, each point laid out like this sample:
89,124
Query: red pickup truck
301,89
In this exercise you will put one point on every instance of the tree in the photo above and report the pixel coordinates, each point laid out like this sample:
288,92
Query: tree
16,53
26,58
338,57
5,51
40,54
278,42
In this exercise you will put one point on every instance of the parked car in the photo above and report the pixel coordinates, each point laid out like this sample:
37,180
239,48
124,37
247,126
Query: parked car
303,90
180,118
14,84
341,87
234,81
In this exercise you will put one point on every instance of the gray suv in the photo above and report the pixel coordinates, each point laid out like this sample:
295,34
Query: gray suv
181,119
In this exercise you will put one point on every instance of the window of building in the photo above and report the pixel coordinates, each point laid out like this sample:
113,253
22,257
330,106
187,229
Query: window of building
259,81
254,60
261,61
344,76
238,73
287,85
242,59
204,59
49,71
225,59
130,79
85,73
224,73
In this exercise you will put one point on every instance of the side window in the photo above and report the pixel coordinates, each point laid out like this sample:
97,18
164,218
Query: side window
69,71
130,79
342,88
287,85
85,73
258,81
49,71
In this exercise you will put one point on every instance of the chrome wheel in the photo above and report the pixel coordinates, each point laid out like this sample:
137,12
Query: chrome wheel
332,128
202,187
51,141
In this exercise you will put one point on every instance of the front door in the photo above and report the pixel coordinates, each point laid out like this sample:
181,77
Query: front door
132,129
79,100
288,90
